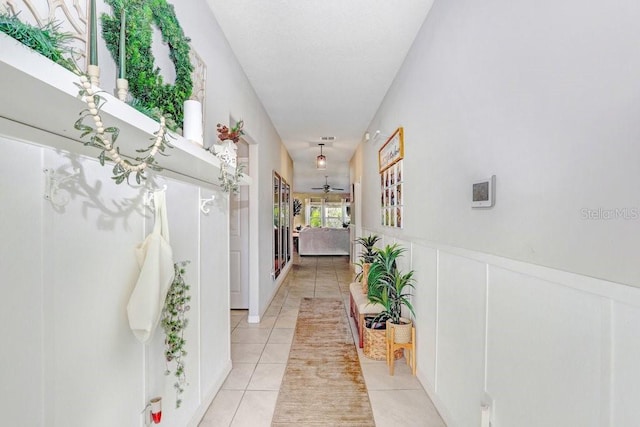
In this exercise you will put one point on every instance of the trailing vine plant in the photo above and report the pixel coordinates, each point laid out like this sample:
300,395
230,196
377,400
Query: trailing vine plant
145,82
230,180
174,321
104,138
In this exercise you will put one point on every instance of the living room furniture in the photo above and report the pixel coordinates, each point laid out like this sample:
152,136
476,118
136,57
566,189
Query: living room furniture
324,241
295,235
408,348
359,306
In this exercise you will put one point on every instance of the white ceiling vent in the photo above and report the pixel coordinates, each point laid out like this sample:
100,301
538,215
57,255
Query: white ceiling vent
327,138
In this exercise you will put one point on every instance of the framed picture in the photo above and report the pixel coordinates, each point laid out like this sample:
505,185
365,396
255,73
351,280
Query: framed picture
392,151
391,195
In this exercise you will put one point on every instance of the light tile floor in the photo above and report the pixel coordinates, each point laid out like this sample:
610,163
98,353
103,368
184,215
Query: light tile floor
259,354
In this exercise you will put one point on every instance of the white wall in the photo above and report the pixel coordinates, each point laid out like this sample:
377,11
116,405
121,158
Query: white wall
542,95
528,301
230,95
549,348
68,272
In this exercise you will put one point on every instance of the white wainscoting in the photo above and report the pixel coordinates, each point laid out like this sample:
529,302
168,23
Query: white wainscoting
542,346
67,274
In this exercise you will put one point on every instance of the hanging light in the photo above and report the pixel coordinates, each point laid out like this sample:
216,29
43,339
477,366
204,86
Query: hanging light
321,160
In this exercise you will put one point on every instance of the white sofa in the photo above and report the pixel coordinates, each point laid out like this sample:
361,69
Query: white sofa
324,241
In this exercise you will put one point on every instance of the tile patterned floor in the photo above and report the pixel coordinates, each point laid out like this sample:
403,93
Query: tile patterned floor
259,354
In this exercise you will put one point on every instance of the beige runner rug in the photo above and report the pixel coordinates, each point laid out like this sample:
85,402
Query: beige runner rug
323,383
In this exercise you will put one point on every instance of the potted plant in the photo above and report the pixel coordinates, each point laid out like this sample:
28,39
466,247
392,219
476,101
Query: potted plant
383,267
297,207
383,264
367,256
392,289
395,290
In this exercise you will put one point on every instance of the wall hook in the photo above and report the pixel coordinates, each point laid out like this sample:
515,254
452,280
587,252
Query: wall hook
204,204
147,198
52,191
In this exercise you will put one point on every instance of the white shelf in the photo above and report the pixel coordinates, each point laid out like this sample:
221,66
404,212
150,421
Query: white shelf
42,95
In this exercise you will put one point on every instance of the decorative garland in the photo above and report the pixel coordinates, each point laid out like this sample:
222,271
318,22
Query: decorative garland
174,322
145,81
104,138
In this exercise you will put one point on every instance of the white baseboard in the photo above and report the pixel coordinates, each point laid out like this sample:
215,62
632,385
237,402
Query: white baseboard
209,396
431,392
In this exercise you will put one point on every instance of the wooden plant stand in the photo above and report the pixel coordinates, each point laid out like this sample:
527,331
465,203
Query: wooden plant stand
409,350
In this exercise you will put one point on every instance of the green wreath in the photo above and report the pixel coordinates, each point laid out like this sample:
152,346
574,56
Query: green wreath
145,82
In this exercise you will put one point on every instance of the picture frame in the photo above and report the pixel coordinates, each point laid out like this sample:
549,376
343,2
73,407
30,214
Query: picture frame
392,151
391,195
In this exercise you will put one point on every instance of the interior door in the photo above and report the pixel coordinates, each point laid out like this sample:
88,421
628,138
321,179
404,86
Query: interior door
239,244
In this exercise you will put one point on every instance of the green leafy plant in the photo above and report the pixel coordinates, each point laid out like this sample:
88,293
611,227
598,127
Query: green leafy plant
368,243
395,292
153,113
367,256
174,321
230,179
46,40
145,82
297,207
388,286
383,267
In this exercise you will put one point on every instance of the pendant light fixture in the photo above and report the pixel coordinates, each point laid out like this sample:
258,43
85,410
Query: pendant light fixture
321,160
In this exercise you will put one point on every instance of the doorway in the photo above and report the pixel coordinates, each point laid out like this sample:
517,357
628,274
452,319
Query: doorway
239,238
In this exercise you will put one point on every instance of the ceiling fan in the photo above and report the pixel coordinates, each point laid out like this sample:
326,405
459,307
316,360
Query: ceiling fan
326,187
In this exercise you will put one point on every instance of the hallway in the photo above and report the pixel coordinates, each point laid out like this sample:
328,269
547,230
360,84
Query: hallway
259,353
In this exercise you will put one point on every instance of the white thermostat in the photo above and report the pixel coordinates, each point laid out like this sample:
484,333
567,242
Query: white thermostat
483,193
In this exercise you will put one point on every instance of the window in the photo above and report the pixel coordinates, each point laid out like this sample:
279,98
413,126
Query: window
333,215
320,213
315,215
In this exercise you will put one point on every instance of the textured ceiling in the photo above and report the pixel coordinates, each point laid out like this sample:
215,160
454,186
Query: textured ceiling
320,68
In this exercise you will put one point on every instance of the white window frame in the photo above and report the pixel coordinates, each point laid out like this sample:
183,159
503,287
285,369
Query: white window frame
323,205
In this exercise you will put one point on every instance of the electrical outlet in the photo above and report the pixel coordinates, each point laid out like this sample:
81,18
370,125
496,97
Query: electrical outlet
486,410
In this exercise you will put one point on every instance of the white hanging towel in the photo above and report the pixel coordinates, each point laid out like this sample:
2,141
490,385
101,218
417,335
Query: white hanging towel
155,259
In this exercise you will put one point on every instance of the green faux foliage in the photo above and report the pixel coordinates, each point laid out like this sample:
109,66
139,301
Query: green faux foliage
174,321
230,181
388,286
145,82
154,113
368,253
47,40
383,267
297,207
368,244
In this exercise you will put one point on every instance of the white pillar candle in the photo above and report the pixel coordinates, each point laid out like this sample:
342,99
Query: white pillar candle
192,129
